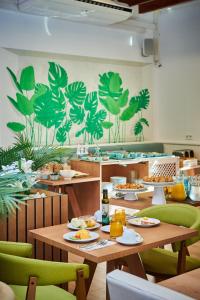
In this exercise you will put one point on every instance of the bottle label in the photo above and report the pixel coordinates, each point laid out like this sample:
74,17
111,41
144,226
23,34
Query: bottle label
105,214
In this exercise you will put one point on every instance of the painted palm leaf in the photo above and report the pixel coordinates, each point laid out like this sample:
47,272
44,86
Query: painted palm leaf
111,105
110,85
77,114
16,126
123,99
91,102
129,112
57,76
22,104
14,78
27,79
46,111
76,93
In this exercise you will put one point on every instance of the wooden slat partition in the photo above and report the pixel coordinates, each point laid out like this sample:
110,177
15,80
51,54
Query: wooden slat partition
37,213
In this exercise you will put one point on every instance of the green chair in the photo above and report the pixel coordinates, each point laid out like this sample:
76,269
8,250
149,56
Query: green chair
36,279
161,262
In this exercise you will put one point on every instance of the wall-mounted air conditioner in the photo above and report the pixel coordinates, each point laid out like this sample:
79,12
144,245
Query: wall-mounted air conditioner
87,11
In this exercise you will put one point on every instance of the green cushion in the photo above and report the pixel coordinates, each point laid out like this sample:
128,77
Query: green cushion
16,248
49,292
162,261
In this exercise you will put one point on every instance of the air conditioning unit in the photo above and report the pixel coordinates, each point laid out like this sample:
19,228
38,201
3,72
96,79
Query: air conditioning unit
86,11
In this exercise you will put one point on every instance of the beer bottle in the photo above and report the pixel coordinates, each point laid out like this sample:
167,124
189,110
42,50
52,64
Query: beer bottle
105,208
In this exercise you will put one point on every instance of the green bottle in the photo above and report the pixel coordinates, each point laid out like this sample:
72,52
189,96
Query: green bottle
105,208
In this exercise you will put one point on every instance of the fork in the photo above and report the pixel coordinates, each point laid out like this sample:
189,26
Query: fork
99,243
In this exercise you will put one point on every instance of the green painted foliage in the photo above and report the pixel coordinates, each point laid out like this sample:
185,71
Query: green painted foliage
57,76
129,112
100,115
14,78
59,98
110,86
138,128
77,114
61,135
22,104
111,105
76,93
16,126
91,102
27,79
143,99
123,99
46,111
107,124
80,132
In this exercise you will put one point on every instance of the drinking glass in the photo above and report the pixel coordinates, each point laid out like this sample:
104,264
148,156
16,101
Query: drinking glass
116,228
120,215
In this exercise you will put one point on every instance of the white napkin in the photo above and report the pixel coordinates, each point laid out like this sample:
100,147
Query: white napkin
95,247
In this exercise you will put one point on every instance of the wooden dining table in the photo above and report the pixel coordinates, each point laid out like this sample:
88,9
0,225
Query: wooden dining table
119,254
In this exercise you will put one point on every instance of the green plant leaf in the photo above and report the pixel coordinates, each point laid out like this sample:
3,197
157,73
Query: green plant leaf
111,105
76,93
57,76
98,133
110,85
40,89
46,111
138,128
77,114
15,126
129,112
123,99
115,83
61,135
144,121
27,79
14,78
14,103
68,125
143,99
101,115
80,132
25,105
91,102
59,98
107,124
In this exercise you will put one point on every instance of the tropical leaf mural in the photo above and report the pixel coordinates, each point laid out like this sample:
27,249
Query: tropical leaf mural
61,111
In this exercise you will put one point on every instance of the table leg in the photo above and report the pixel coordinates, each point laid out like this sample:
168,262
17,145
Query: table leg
181,265
73,200
92,269
135,266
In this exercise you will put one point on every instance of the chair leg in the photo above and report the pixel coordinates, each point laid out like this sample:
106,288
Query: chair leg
31,289
80,286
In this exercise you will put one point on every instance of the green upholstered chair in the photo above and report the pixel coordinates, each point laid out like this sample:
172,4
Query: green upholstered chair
36,279
163,262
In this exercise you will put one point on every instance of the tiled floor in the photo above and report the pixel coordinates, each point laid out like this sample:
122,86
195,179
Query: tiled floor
98,287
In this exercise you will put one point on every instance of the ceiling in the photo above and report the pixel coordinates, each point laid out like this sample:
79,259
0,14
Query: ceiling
145,6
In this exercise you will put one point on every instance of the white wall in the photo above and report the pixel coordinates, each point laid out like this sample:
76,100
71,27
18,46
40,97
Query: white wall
177,97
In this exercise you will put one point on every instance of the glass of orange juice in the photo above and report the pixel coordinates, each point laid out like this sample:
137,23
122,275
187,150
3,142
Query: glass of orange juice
120,215
116,228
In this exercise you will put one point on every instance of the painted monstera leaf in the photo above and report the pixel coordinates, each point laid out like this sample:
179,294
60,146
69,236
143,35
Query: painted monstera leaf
94,124
77,114
80,132
143,99
100,115
61,135
110,86
76,93
111,105
15,81
138,128
59,98
46,111
57,76
91,102
129,112
16,126
27,79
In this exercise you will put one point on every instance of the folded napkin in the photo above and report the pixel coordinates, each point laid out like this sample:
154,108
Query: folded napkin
97,246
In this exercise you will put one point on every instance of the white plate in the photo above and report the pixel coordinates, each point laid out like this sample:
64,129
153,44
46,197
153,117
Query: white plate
137,222
69,237
139,239
70,226
130,190
106,228
159,183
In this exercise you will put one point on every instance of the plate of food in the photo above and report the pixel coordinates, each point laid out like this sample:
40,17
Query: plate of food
130,187
83,223
158,180
144,222
81,236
